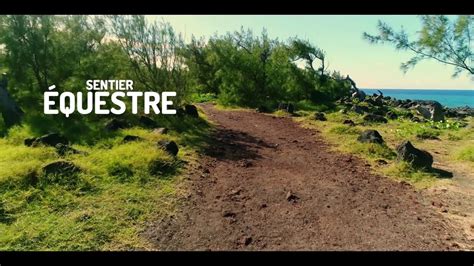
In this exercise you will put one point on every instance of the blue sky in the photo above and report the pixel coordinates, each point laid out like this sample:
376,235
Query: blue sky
371,66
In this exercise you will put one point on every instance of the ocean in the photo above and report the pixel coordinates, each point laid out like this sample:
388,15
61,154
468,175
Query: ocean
450,98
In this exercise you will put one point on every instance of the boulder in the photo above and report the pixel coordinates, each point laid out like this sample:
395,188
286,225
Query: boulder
432,110
115,124
169,146
378,100
417,158
29,141
349,123
408,115
129,138
320,116
392,115
51,139
358,94
357,109
191,110
370,136
180,112
9,109
63,149
375,118
146,121
60,168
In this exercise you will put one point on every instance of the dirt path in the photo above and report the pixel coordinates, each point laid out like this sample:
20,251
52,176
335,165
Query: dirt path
268,184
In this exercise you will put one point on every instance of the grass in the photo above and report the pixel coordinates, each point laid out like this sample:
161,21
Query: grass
104,207
448,137
466,154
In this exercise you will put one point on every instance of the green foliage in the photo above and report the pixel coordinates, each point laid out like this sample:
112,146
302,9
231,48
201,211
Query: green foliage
448,42
203,97
153,50
243,69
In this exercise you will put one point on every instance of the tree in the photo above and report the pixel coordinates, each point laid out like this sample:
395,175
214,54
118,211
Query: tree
447,42
304,50
153,52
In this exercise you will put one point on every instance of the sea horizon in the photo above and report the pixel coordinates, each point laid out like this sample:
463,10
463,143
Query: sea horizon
441,89
447,97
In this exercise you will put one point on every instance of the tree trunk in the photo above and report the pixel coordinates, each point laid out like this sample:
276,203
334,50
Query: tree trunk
11,112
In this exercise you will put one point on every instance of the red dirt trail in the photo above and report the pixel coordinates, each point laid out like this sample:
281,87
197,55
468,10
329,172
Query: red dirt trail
268,184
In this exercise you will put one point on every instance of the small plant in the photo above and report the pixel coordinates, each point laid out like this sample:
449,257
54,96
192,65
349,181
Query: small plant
427,133
453,137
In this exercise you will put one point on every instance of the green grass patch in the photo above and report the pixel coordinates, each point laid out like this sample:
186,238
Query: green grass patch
402,171
443,137
466,154
120,188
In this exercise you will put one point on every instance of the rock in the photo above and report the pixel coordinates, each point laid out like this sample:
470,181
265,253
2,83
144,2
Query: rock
392,115
320,116
381,162
409,115
416,119
349,123
424,111
357,109
160,131
370,136
417,158
358,94
115,124
228,214
375,118
378,111
191,110
147,122
9,109
50,140
29,142
129,138
60,168
63,149
378,100
432,110
291,197
246,163
169,146
247,241
180,112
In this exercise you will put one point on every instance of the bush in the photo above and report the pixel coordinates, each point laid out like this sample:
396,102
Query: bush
427,133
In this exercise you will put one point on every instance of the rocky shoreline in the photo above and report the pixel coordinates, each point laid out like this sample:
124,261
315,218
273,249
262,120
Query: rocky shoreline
378,104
